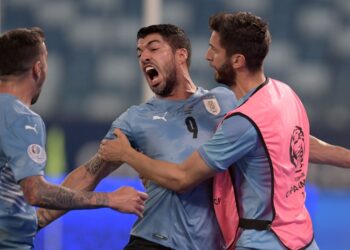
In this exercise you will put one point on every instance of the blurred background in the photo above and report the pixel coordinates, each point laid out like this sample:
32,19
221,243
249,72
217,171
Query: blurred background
94,77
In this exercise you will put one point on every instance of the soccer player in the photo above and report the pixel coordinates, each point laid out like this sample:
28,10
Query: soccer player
264,144
169,126
23,69
191,113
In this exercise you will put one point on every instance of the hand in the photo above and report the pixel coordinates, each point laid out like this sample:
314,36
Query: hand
128,200
114,150
144,180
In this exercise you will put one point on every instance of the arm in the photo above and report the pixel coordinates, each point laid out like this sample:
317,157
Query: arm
85,177
325,153
177,177
38,192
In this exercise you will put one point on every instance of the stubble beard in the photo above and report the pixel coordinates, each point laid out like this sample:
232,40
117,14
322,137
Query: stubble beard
37,94
226,75
165,90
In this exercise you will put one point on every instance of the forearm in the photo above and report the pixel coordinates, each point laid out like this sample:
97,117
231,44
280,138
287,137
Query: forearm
62,198
38,192
86,177
177,177
79,179
165,174
325,153
46,216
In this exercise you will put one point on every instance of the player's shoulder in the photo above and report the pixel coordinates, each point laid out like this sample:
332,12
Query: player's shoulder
134,113
224,96
136,110
12,109
222,91
150,106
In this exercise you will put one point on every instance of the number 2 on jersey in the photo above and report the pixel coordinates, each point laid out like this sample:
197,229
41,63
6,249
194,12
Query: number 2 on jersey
192,126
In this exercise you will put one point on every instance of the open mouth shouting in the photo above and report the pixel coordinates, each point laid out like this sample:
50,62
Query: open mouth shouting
152,74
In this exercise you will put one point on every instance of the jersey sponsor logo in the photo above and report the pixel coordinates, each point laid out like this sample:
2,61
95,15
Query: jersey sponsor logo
157,117
28,127
212,105
36,153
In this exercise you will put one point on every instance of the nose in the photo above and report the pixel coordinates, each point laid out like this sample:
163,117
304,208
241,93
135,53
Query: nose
208,55
144,56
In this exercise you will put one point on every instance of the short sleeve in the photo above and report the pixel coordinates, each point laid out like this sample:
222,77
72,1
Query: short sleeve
122,122
25,146
235,138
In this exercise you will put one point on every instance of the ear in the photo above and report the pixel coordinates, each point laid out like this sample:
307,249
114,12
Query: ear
181,55
37,69
237,61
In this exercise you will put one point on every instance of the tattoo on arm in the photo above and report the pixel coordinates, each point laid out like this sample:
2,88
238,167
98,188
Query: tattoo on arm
46,216
57,197
53,200
65,198
102,199
98,167
94,165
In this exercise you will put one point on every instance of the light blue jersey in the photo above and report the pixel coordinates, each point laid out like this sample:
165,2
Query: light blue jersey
22,154
171,131
237,141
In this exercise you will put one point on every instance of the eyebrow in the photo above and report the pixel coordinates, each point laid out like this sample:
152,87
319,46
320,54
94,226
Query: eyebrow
215,48
148,44
211,46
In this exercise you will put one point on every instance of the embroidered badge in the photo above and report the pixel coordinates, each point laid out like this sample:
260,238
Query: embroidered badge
36,153
212,105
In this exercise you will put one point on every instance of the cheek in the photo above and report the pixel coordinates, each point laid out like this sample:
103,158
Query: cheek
165,60
165,57
215,60
219,59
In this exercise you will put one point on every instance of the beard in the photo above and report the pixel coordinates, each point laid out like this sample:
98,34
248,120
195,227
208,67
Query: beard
226,75
35,99
165,90
40,84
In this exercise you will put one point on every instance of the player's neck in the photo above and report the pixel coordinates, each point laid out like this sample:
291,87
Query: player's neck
185,88
17,87
246,82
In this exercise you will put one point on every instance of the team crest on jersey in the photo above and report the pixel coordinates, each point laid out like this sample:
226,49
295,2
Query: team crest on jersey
36,153
212,105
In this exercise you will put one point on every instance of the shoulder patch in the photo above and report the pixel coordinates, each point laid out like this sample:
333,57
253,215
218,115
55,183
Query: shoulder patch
212,105
36,153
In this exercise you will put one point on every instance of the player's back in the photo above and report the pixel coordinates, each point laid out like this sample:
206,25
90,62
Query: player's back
17,217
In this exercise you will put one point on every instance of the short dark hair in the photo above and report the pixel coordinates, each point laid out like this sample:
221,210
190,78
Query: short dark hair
243,33
173,35
19,48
